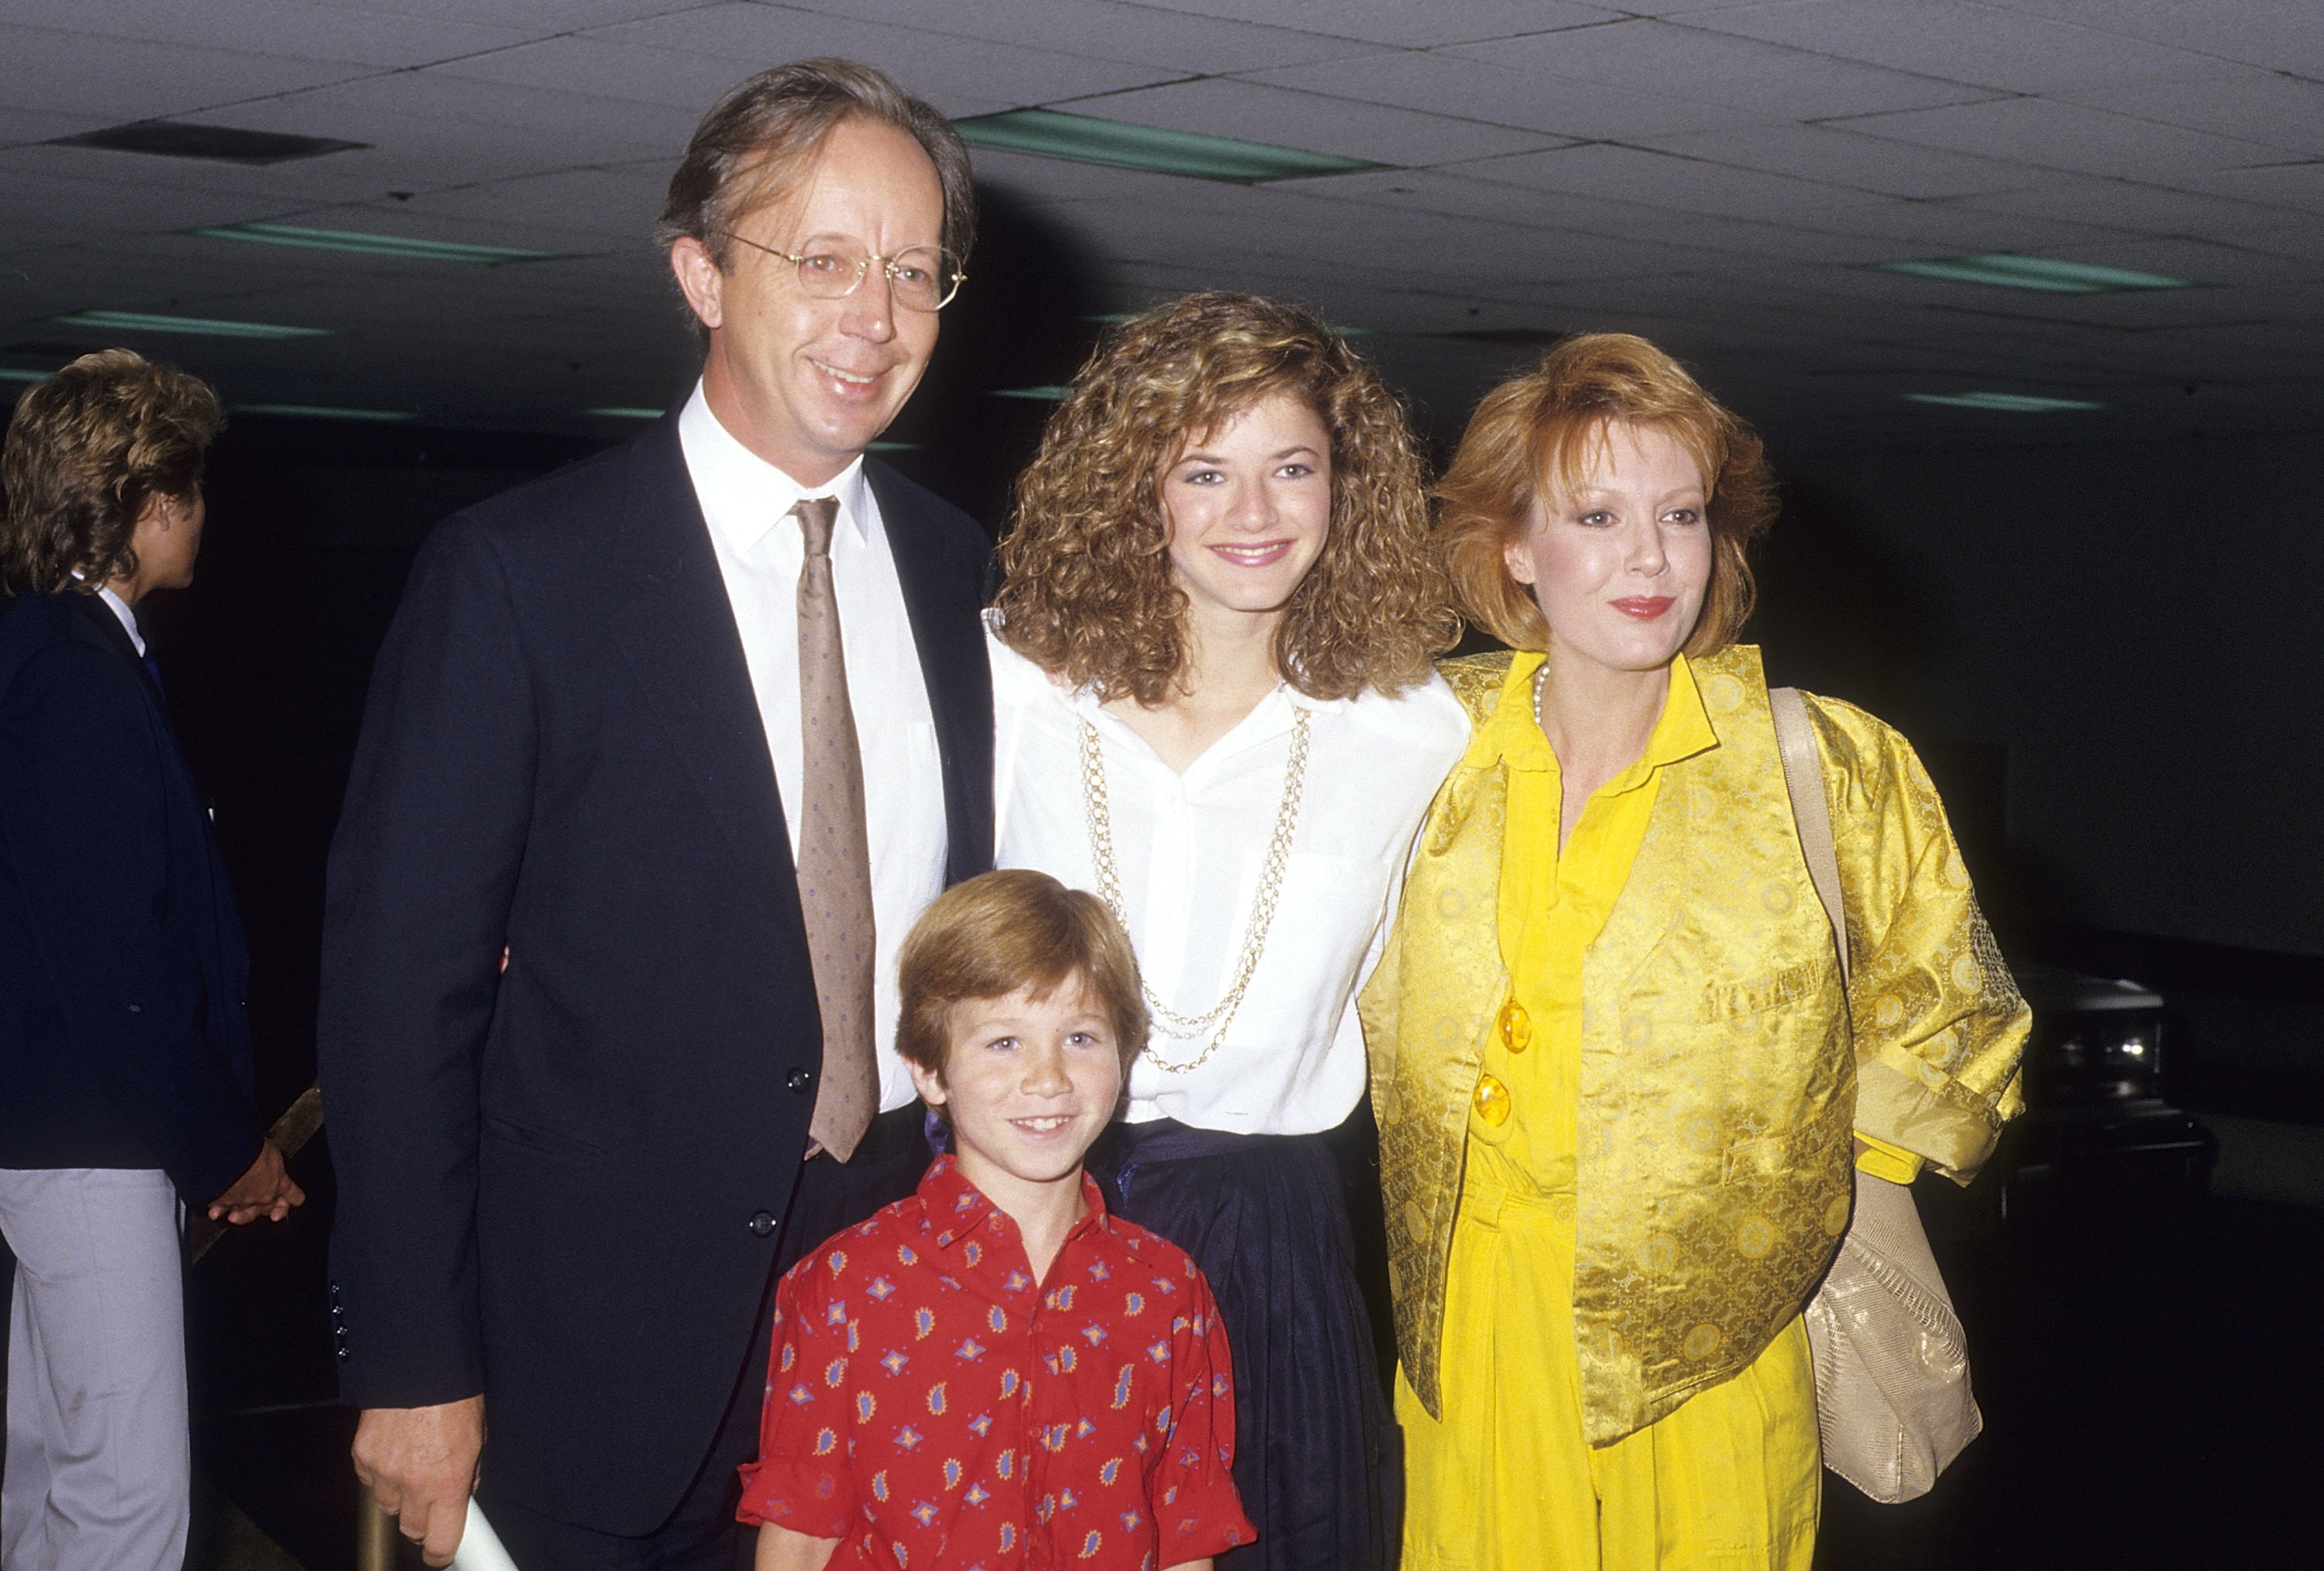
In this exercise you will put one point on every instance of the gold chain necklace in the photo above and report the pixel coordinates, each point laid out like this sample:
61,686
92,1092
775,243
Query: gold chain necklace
1262,912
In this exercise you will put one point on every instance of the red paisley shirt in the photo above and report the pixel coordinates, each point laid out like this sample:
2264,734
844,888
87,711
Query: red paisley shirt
930,1405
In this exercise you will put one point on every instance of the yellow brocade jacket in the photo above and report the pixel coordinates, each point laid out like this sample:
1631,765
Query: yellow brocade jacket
1719,1078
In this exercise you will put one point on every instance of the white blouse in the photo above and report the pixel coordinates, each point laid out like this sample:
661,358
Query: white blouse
1189,850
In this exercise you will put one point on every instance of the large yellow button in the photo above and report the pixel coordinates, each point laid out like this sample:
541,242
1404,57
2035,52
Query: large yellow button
1492,1100
1516,1027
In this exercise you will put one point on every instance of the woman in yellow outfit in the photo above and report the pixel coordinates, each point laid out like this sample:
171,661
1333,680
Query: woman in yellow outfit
1618,1087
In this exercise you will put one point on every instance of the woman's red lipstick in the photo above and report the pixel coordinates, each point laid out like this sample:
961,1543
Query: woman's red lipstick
1645,607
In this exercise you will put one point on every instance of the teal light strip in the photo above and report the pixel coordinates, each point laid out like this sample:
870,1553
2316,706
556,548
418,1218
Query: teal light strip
192,327
1045,395
625,411
9,374
2004,270
323,411
1048,133
2009,403
365,244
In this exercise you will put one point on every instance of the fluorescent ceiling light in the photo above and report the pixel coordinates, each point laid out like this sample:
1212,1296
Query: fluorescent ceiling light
623,411
892,447
322,411
2012,402
1048,134
1045,395
9,374
194,326
365,244
2002,270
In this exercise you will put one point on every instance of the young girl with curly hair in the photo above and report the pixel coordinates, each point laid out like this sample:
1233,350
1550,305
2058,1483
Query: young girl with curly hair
1215,707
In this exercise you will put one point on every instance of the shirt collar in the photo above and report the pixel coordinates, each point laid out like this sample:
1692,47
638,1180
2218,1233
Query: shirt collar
743,496
128,617
956,1208
1682,730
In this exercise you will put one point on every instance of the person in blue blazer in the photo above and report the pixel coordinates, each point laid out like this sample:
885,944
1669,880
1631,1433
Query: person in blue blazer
571,1036
125,1052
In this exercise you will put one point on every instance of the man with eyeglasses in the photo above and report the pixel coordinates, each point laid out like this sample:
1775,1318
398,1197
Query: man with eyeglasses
663,754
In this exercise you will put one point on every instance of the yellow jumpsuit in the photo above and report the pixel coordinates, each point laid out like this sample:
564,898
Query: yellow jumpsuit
1732,1478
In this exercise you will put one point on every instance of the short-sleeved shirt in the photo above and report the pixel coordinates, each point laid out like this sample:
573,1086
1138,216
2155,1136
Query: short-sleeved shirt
930,1404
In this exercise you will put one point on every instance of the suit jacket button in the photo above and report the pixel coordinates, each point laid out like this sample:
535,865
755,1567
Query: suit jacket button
798,1080
762,1223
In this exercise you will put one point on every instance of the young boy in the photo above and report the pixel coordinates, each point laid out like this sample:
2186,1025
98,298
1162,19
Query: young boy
995,1373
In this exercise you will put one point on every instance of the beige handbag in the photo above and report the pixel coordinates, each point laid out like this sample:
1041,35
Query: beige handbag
1892,1396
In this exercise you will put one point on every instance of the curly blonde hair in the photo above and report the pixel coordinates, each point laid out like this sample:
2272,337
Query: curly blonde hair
1537,432
87,449
1090,590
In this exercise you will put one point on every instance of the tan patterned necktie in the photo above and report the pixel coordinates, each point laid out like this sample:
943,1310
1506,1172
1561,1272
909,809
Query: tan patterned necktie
835,854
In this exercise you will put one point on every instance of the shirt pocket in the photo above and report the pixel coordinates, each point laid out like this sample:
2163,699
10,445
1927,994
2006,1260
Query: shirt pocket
1728,1000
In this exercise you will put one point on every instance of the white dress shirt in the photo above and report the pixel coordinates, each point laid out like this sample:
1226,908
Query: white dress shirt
128,617
1189,850
746,501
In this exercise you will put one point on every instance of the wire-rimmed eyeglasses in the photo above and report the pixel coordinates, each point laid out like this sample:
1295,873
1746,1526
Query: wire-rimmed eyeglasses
920,278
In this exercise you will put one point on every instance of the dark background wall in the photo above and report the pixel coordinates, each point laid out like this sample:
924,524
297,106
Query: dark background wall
2124,630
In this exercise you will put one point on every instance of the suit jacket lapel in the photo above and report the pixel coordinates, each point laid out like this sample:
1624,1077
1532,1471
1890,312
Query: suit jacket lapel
943,583
677,630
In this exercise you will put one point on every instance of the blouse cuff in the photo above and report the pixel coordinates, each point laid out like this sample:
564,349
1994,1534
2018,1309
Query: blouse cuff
1883,1160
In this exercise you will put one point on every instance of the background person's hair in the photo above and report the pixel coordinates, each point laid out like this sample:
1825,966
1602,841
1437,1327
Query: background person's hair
1001,931
1538,433
750,147
86,450
1089,590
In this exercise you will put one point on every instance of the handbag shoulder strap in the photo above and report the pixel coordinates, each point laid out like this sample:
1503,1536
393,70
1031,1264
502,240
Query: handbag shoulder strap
1811,812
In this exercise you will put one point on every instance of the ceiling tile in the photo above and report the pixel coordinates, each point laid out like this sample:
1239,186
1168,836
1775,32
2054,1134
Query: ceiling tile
1845,158
2128,205
935,66
1219,106
431,129
47,190
1973,43
603,203
1687,62
1145,35
608,67
2298,186
18,126
1402,22
2278,35
2036,131
1917,229
1658,179
1476,89
134,79
2271,110
371,35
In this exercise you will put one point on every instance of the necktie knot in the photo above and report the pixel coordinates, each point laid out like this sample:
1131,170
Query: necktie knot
816,516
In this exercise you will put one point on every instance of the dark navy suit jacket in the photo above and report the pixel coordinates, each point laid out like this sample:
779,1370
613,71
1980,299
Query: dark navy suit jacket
549,1177
124,1040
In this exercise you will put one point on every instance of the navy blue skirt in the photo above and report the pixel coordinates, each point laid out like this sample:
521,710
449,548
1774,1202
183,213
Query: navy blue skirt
1265,1217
